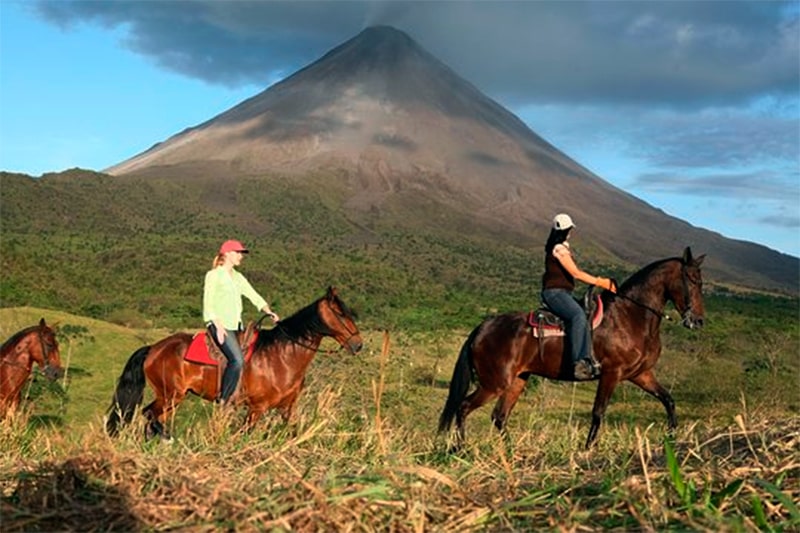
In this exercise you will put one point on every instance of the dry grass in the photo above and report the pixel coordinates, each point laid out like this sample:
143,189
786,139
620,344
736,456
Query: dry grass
362,455
327,474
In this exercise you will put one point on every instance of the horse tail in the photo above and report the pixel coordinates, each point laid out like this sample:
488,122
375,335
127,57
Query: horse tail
459,384
129,393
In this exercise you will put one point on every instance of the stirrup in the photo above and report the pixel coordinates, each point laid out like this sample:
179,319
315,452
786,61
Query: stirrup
586,369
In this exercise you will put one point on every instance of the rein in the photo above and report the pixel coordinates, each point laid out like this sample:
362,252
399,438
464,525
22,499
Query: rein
646,307
686,298
302,345
45,355
308,346
5,361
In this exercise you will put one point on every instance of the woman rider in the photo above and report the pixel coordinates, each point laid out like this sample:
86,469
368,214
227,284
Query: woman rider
222,310
558,282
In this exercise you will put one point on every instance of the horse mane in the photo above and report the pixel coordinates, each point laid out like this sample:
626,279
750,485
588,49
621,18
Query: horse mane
641,276
16,337
304,323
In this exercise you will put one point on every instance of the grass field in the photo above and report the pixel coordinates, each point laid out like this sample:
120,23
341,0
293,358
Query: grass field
363,454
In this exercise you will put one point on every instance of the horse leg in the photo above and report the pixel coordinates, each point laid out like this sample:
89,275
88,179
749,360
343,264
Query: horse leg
477,398
254,414
647,382
157,414
506,402
605,388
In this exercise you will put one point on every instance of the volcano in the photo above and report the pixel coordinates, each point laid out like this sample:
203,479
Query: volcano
388,120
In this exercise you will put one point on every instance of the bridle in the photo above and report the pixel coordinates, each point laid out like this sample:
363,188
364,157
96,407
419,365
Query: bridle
342,321
45,354
687,313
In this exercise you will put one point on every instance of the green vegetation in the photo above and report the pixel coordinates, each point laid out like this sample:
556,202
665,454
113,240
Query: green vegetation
118,263
134,252
363,452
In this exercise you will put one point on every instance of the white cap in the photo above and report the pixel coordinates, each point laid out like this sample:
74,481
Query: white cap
562,221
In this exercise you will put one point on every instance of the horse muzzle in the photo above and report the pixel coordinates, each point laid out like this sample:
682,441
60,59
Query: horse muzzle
354,345
691,321
53,372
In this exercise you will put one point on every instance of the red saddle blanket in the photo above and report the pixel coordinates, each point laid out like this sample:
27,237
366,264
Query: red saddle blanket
198,350
545,329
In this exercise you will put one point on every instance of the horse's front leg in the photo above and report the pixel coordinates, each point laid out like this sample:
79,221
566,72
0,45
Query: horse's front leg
647,382
287,407
254,414
608,382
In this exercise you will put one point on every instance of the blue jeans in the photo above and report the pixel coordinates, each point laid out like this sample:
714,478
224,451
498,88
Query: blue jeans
562,303
233,353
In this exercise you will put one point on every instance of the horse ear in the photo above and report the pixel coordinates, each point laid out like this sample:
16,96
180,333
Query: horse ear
699,260
687,256
41,323
331,292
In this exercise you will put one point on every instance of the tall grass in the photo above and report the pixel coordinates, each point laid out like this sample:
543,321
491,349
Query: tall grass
363,455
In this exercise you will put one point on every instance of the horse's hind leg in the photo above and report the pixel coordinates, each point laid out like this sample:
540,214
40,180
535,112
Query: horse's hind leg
506,402
157,414
647,382
478,397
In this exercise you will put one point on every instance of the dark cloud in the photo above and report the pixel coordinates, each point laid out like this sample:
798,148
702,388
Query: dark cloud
751,185
717,138
704,94
677,53
782,221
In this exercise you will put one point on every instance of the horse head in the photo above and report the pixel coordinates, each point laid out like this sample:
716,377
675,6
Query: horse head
45,352
687,291
340,321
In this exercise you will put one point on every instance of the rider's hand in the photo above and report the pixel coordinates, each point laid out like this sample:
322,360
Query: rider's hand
271,314
606,284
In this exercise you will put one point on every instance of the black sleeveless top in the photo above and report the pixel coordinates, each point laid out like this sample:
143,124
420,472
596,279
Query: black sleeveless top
555,275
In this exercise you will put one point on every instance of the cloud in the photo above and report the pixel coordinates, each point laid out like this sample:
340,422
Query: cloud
702,95
789,221
718,137
764,185
688,54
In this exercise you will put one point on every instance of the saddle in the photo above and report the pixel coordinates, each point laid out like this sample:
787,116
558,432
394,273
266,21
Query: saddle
203,350
544,323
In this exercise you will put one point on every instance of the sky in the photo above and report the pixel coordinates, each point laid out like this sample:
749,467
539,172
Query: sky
693,107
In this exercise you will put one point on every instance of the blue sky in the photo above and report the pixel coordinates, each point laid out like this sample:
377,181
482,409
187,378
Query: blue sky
693,107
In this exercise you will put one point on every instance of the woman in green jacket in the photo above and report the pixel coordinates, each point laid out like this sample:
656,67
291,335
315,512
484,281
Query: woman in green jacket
222,310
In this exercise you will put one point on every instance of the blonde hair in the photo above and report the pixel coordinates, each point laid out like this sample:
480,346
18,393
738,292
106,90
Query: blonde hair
218,260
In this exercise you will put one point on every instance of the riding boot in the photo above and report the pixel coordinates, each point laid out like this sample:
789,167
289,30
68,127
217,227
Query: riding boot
587,368
584,370
593,362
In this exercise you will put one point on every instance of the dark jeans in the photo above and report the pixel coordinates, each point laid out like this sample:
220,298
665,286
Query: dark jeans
233,353
564,305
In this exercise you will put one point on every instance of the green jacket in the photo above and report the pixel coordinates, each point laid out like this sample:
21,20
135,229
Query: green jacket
222,297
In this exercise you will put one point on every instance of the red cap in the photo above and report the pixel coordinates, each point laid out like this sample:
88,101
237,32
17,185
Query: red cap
233,246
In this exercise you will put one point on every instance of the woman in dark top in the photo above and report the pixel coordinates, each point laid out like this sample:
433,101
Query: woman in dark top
558,282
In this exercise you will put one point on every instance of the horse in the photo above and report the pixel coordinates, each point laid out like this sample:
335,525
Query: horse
272,378
33,344
501,353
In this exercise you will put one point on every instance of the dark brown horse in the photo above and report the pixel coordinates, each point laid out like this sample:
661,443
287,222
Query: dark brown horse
501,353
273,377
35,344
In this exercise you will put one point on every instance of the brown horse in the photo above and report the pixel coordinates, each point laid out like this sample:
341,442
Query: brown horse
273,377
33,344
501,353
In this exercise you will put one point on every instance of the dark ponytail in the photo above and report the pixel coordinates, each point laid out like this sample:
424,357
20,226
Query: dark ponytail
557,236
